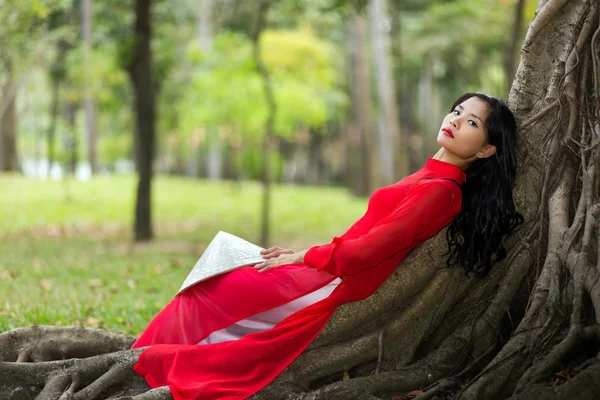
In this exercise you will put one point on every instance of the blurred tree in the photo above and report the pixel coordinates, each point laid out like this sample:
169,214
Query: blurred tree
90,108
510,56
214,162
261,22
392,158
140,68
361,136
24,37
8,125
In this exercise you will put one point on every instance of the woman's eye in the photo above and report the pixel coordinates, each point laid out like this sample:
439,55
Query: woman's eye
473,122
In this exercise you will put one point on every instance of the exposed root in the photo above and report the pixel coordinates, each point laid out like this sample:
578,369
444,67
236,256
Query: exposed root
402,335
161,393
583,386
54,388
47,343
73,379
355,319
445,361
542,19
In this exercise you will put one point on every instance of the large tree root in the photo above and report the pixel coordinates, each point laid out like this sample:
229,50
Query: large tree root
72,363
47,343
583,386
98,377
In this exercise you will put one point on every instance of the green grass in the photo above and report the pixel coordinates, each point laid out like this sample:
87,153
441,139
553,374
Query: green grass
67,256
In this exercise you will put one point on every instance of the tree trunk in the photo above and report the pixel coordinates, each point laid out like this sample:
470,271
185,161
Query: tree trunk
263,8
72,136
511,46
214,157
390,153
524,331
90,108
361,136
140,71
51,133
8,131
315,159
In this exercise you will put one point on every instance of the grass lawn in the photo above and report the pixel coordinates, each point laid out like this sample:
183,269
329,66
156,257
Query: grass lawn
67,256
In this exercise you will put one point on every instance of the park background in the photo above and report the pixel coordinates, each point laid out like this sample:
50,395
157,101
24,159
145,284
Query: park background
272,124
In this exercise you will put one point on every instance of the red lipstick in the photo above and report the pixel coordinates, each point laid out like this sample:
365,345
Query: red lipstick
448,132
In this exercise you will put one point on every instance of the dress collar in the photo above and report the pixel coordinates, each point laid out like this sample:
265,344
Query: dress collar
446,169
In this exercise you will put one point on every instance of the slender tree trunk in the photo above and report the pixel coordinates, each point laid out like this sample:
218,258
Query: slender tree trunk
51,134
314,167
362,135
261,22
510,52
429,114
142,78
8,131
415,140
90,108
72,137
214,159
390,153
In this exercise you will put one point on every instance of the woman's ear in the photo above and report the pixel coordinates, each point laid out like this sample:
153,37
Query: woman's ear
487,151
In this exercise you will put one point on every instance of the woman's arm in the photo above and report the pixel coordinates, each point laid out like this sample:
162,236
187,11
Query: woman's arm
428,205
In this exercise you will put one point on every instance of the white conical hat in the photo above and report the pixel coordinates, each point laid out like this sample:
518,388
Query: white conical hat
224,253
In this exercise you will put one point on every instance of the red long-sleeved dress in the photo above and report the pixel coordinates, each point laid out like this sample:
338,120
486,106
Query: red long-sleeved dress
399,217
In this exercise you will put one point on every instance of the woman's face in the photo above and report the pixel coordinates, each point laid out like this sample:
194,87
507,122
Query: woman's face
467,138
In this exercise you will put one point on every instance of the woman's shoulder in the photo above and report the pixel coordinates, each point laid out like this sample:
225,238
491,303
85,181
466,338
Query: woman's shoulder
437,184
438,190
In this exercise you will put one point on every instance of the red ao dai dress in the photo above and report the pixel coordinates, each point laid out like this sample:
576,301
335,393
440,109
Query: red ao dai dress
229,336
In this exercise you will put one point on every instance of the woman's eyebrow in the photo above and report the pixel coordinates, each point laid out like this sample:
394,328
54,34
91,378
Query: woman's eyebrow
471,114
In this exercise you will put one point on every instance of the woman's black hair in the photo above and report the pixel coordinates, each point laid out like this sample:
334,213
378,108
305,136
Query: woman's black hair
488,210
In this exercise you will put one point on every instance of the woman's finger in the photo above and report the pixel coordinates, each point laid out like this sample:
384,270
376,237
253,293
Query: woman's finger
277,253
269,251
263,268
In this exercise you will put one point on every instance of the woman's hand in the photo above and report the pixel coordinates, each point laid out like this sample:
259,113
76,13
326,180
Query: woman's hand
275,252
276,258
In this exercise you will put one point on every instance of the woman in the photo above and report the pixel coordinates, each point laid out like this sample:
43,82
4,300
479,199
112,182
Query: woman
254,321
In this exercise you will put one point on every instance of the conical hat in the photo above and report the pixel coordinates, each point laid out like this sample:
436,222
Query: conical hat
224,253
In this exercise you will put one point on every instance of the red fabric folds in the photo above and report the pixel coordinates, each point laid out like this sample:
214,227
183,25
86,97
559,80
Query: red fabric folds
391,235
399,217
225,299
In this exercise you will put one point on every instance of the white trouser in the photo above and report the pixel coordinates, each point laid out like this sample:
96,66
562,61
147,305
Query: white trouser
269,318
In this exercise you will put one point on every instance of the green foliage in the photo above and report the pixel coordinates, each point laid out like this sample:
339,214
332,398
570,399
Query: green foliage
462,59
226,90
220,93
75,258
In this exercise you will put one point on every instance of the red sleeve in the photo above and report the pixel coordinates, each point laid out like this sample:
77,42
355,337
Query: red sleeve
360,226
428,206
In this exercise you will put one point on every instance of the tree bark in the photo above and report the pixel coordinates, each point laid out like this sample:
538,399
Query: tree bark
263,8
390,152
511,46
90,107
8,131
214,159
528,329
141,73
361,136
70,113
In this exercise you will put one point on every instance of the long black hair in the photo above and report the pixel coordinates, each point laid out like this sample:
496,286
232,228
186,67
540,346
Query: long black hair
488,209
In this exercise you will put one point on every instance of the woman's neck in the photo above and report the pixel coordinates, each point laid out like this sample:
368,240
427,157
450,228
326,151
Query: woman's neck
446,156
